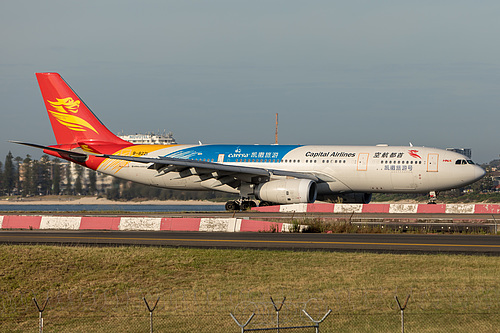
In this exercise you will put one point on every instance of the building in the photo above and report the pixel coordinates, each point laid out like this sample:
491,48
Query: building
150,138
464,151
72,170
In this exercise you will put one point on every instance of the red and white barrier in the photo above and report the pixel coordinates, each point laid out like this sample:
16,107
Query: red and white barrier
230,224
487,209
395,208
140,223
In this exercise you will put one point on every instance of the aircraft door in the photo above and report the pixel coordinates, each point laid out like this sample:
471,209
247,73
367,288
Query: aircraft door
220,158
432,162
362,162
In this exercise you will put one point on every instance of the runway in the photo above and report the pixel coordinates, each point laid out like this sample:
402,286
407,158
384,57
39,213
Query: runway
393,243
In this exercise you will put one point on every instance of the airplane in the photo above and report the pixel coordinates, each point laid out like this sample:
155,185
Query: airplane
272,174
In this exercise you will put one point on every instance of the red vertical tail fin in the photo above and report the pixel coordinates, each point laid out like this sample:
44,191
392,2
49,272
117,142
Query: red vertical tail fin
72,121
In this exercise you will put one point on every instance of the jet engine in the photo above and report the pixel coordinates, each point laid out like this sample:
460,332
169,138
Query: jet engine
287,191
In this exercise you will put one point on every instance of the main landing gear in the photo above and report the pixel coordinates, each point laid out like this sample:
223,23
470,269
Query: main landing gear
245,204
232,205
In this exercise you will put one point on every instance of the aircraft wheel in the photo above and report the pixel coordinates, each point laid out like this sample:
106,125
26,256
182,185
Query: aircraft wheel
265,203
432,197
232,205
245,205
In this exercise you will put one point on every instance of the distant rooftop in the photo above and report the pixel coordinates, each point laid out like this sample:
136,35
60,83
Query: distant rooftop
464,151
150,138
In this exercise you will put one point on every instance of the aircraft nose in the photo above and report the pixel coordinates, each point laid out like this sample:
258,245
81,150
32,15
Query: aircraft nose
479,172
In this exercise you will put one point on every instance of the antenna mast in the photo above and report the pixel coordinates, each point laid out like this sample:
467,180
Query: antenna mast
276,133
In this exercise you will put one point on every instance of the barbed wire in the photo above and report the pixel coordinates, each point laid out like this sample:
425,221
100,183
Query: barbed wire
471,308
474,299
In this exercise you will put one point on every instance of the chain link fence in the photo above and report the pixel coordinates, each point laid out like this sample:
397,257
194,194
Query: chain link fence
96,310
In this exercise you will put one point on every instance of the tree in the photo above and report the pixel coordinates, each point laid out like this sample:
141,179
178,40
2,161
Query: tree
17,184
2,187
68,189
56,177
42,176
78,181
9,174
92,189
114,192
26,174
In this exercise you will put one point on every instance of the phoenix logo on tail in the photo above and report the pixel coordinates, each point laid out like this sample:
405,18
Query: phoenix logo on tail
62,112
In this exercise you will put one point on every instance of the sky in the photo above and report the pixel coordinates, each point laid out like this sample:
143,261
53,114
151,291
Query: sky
337,72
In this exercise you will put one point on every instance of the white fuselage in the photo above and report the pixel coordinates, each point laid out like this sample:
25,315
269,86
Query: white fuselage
340,169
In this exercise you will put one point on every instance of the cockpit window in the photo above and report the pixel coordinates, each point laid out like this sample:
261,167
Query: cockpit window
470,162
464,162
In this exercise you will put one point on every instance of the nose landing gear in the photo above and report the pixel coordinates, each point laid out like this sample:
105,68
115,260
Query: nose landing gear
432,197
243,204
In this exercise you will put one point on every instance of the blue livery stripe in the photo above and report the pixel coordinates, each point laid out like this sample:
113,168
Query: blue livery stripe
234,152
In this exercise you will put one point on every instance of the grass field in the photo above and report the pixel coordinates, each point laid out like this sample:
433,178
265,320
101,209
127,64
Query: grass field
101,289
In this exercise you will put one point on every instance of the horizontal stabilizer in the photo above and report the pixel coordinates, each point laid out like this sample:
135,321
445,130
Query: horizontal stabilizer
74,155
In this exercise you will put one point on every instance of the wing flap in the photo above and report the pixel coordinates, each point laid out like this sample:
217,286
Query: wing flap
211,166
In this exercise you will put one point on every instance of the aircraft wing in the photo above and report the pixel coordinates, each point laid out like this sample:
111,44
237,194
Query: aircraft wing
165,164
162,162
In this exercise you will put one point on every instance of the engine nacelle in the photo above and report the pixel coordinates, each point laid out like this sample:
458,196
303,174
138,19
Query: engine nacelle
287,191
